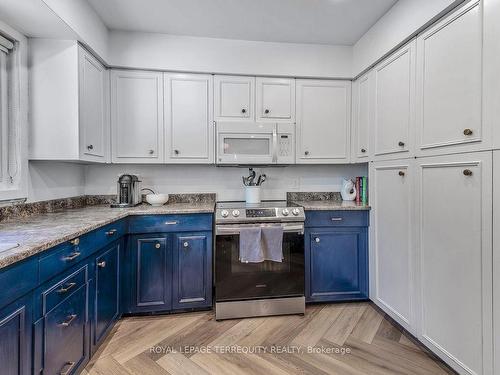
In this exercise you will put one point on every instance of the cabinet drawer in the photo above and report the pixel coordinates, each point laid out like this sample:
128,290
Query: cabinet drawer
170,223
60,291
17,280
337,219
65,256
64,333
109,233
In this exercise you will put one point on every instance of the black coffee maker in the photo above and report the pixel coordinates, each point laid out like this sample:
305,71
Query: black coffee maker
128,191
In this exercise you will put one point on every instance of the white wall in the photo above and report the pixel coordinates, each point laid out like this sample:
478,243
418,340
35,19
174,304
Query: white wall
210,55
226,181
54,180
84,21
404,19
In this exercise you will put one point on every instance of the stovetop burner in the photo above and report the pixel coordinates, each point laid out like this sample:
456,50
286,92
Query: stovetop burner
266,211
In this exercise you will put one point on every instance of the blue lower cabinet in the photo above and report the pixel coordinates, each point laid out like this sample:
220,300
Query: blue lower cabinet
192,270
336,264
151,282
15,337
107,292
61,339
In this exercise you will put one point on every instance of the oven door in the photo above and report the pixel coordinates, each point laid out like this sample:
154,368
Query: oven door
236,281
251,143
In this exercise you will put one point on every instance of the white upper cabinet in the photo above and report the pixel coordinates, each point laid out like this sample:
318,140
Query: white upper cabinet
362,95
234,98
275,99
393,110
94,109
392,261
188,118
69,106
323,121
450,84
454,205
137,116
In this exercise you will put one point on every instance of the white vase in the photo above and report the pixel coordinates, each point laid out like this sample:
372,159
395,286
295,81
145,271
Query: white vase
348,190
252,194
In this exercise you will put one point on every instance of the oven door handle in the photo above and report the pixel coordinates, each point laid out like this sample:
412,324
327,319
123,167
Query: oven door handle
235,229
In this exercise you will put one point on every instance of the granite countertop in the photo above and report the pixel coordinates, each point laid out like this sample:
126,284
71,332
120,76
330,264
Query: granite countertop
41,232
331,205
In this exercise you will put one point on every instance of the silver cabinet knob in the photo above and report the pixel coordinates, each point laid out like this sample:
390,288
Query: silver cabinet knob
101,264
317,240
157,245
185,244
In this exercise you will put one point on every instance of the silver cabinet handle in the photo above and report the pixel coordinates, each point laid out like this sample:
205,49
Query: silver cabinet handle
171,222
66,289
68,322
102,264
71,257
317,240
111,232
67,368
75,242
337,219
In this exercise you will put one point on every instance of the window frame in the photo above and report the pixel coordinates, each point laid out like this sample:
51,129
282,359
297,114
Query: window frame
19,190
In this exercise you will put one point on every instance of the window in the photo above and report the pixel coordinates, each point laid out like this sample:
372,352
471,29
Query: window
11,166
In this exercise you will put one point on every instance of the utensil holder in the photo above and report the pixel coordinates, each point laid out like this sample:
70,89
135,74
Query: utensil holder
252,194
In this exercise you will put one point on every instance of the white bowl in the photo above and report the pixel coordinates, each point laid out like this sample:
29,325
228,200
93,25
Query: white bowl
157,200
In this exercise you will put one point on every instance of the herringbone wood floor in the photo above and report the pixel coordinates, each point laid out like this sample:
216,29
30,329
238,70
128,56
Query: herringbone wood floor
376,346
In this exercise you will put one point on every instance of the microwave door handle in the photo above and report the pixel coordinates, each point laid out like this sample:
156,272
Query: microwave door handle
275,145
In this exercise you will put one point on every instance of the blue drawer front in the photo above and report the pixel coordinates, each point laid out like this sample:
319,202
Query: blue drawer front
60,291
337,219
170,223
65,256
109,233
17,280
65,334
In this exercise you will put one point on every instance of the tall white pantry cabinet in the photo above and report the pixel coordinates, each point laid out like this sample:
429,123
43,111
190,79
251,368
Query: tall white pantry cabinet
432,198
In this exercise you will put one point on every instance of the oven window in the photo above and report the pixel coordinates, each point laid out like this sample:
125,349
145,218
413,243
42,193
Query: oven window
235,280
247,146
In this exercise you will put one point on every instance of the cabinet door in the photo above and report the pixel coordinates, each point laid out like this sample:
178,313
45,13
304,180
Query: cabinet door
192,272
449,84
65,335
275,99
455,259
93,111
323,121
137,116
107,281
234,98
392,261
15,334
188,118
362,96
496,262
393,110
152,260
336,264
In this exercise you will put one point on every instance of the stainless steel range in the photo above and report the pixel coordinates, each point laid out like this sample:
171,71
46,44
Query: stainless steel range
263,288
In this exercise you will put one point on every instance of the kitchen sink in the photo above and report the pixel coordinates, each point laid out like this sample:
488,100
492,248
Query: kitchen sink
8,246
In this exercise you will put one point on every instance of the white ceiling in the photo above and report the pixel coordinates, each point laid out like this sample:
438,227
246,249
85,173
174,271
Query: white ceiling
340,22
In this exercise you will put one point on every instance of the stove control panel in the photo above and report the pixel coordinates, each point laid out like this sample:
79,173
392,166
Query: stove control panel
227,214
